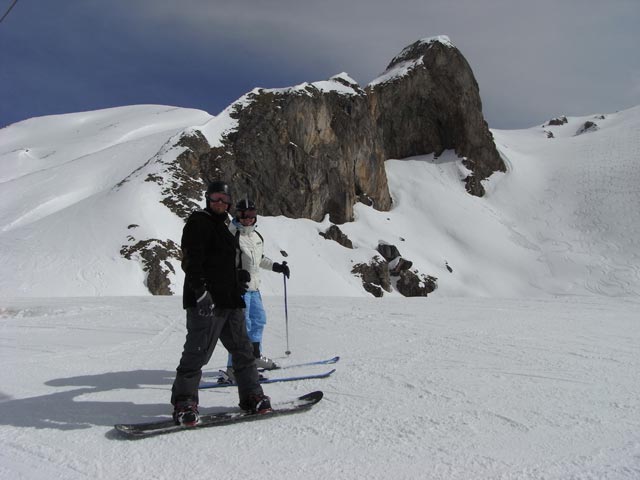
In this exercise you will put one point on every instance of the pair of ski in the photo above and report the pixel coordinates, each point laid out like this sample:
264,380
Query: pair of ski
300,404
219,383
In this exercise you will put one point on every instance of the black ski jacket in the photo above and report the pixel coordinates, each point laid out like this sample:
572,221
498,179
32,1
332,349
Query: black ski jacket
209,260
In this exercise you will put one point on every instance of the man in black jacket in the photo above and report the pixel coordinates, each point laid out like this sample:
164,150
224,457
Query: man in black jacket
213,290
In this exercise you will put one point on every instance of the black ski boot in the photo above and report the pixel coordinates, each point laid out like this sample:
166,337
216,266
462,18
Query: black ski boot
256,403
186,414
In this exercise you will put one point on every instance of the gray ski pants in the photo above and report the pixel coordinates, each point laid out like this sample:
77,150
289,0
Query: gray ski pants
228,325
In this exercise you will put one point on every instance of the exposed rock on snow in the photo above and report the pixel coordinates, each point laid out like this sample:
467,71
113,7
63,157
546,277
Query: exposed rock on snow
334,233
182,187
388,251
413,284
375,276
558,121
392,255
587,127
155,255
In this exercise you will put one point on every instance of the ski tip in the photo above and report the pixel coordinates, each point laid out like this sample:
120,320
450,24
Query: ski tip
313,396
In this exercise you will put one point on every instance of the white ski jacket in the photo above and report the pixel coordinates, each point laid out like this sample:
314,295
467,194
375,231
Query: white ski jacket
251,256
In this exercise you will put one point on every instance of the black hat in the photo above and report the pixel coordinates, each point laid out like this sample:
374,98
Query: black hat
246,208
218,186
245,204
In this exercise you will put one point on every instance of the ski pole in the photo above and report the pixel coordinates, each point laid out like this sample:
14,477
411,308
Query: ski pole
286,312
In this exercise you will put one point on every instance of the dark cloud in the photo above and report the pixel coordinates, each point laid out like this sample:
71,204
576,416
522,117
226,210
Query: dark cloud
533,60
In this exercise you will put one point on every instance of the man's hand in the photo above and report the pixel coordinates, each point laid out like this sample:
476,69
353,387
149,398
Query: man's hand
205,302
244,278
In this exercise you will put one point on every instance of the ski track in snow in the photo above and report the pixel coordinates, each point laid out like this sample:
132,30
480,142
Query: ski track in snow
580,193
425,388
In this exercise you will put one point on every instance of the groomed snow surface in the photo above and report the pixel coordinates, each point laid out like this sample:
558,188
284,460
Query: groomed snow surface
436,389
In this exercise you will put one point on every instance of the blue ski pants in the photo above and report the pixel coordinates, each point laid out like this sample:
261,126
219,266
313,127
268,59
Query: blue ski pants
255,317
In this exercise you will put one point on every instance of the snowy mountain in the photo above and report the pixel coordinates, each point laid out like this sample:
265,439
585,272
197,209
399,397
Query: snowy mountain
562,220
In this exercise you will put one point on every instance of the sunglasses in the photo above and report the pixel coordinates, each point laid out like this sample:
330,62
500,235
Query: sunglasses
247,213
220,197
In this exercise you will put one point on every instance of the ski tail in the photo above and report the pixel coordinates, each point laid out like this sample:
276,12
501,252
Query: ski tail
328,361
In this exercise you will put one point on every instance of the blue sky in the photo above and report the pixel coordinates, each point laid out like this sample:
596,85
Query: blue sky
532,60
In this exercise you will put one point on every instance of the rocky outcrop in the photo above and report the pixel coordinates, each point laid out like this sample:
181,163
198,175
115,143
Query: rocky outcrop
391,254
334,233
374,275
413,284
389,270
587,127
155,257
319,148
184,180
557,121
388,251
304,152
428,101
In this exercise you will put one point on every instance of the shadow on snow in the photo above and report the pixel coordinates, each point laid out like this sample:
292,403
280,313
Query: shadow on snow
64,411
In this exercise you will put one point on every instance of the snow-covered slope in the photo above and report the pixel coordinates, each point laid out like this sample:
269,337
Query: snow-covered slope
62,219
562,220
572,201
434,389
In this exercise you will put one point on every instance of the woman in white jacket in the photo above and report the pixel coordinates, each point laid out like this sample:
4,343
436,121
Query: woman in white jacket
251,258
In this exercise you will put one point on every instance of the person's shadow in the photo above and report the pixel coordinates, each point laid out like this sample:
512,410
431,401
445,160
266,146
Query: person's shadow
62,410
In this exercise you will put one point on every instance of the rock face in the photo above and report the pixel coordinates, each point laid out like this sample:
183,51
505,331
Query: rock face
317,149
305,152
428,101
182,189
